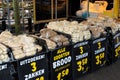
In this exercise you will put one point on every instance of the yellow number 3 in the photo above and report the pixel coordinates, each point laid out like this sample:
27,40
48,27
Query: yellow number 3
81,50
99,45
98,61
79,63
34,68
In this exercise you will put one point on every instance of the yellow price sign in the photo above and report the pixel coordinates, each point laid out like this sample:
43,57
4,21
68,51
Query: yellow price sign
81,64
99,58
41,78
62,74
34,67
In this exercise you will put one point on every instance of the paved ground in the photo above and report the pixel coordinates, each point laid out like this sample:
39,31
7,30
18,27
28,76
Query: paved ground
111,72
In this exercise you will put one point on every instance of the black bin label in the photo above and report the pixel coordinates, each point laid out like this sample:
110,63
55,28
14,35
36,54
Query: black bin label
5,72
81,58
98,52
61,63
116,40
33,68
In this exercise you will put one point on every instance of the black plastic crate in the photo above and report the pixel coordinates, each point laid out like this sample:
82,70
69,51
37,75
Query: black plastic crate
116,39
33,67
5,71
64,71
98,52
81,59
113,44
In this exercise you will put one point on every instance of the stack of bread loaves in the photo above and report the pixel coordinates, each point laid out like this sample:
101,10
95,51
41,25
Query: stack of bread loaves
78,31
82,31
104,22
52,38
21,45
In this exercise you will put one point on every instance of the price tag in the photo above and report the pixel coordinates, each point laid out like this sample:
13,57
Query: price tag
81,58
61,60
116,40
33,68
5,71
98,53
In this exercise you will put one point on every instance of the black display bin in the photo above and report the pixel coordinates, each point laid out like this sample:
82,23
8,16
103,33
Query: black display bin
116,39
6,71
98,52
62,71
60,63
113,44
31,68
34,67
81,59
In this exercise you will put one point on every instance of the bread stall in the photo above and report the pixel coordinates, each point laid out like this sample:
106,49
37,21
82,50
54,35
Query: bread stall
66,48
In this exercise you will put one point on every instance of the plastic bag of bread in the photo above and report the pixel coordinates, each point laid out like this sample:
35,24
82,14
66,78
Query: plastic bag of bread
50,44
60,40
87,34
3,54
47,33
21,45
96,31
6,34
18,53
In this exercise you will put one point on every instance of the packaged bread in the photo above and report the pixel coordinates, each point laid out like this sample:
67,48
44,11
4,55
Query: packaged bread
47,33
6,34
87,34
72,28
21,45
53,37
50,44
3,53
